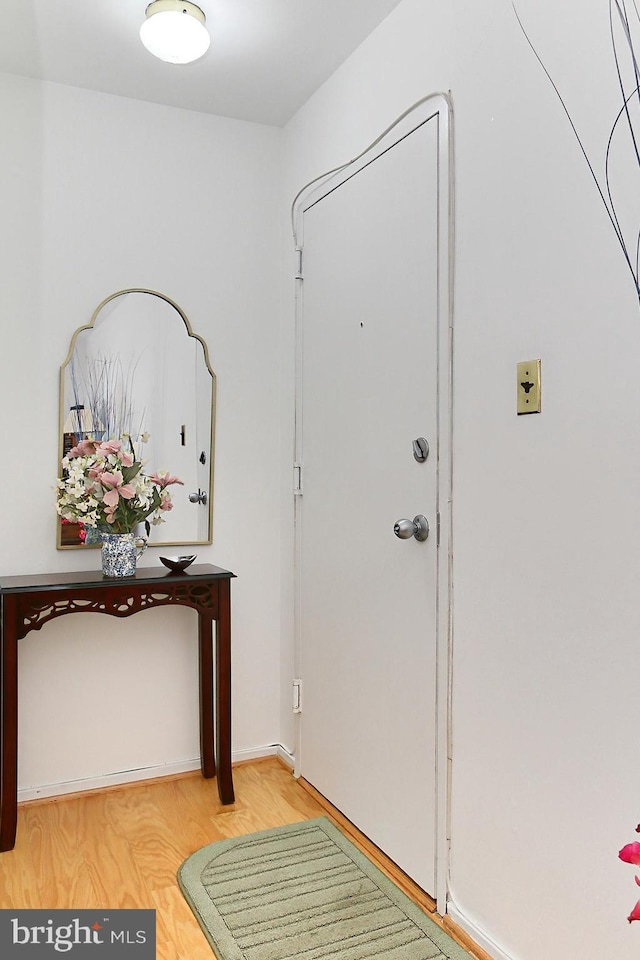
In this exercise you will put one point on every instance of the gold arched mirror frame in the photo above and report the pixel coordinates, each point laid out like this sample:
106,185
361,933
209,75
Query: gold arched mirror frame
139,347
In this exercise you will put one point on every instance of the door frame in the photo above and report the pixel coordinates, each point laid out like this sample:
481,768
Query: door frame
436,106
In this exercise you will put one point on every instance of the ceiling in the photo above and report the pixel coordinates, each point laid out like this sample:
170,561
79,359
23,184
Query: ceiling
265,60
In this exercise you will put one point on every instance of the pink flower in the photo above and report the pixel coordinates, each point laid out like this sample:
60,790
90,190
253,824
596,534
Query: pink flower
166,505
116,489
164,479
110,446
84,449
635,913
631,854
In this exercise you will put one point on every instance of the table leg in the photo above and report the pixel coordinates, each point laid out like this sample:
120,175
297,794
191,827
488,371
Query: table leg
223,692
205,642
8,722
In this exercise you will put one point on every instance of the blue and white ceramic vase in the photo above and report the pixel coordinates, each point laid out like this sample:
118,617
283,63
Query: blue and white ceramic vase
120,552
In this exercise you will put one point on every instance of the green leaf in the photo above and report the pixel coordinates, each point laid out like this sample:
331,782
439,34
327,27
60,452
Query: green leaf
128,473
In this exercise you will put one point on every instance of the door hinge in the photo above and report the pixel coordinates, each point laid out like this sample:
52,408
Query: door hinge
299,263
297,696
297,479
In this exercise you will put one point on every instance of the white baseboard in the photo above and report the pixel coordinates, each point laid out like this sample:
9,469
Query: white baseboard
145,773
477,934
285,755
108,780
270,750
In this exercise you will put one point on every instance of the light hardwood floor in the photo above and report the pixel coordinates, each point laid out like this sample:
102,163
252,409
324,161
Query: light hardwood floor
122,847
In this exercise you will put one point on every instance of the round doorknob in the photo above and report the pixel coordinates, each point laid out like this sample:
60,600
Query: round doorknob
418,528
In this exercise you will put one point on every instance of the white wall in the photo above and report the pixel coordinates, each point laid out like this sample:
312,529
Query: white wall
99,193
546,508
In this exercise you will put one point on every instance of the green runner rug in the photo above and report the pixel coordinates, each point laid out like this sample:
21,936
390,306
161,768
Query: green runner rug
305,892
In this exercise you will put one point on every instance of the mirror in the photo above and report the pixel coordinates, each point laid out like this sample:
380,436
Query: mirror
137,368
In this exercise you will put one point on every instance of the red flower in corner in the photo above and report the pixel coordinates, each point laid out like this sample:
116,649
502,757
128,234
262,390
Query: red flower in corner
631,854
635,913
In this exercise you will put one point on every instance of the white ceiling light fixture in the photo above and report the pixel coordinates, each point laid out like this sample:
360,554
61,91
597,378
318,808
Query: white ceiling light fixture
174,31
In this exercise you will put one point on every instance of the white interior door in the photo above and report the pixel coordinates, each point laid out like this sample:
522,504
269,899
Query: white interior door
367,599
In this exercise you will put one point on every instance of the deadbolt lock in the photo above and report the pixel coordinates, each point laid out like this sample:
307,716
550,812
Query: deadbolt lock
420,449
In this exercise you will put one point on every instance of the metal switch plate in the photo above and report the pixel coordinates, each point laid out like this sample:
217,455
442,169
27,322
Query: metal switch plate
529,392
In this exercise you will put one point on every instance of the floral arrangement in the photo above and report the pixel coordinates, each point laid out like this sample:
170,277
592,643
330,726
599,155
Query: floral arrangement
631,854
103,486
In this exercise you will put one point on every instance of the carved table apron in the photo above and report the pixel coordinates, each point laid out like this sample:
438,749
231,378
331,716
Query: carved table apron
26,603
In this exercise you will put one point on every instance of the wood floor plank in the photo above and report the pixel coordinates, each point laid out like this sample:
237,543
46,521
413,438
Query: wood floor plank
51,835
178,937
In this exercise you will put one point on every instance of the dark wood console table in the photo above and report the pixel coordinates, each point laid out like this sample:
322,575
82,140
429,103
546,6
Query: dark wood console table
26,603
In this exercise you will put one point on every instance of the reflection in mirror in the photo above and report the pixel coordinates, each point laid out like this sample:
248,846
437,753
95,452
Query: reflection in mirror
137,369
